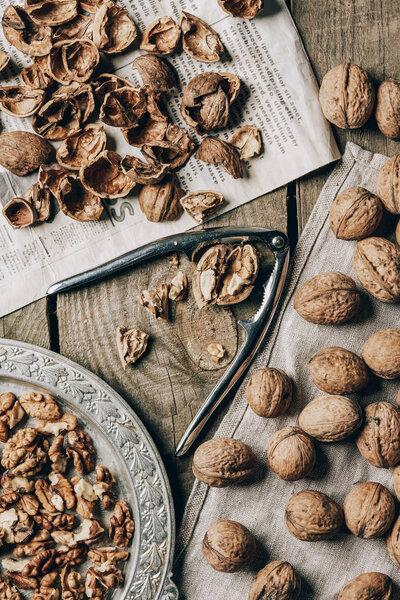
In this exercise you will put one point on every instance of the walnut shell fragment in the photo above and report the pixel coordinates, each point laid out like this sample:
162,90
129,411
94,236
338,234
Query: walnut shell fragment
156,301
73,60
168,153
215,151
379,439
228,546
76,201
23,33
311,516
247,140
220,462
20,101
331,418
276,580
36,75
244,9
82,147
367,585
327,299
19,213
161,201
387,111
80,27
23,152
202,204
155,72
199,40
269,392
376,263
161,37
90,6
123,107
83,95
113,29
107,82
355,214
151,128
338,371
291,453
39,197
104,176
52,12
369,510
381,352
4,60
388,184
142,172
347,96
58,118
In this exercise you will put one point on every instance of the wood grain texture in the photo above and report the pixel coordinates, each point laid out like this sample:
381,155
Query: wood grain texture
364,32
29,324
170,383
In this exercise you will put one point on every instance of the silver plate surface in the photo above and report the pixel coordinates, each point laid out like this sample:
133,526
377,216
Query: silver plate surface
122,443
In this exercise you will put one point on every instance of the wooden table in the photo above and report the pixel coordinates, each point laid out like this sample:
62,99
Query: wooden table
168,386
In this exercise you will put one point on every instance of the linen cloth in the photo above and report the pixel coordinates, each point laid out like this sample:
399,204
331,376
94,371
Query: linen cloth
324,566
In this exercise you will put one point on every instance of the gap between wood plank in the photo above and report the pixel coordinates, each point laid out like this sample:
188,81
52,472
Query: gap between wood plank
52,316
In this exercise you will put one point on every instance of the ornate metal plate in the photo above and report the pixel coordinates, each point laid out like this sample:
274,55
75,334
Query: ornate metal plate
122,441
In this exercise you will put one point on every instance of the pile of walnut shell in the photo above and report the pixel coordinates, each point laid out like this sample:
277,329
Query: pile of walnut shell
47,513
64,90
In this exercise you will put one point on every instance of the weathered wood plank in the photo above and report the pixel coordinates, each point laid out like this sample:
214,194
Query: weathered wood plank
361,31
167,387
29,324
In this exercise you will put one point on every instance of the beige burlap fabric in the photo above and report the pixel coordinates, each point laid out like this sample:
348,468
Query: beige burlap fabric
324,566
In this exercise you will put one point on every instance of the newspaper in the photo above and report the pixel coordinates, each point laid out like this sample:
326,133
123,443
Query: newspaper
279,95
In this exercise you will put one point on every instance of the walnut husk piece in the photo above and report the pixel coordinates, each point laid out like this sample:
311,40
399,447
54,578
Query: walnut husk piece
156,301
82,147
311,516
228,546
327,299
20,101
368,585
347,96
131,344
199,40
19,213
355,214
369,510
338,371
379,438
76,201
387,111
161,37
276,580
221,462
113,29
244,9
202,204
104,176
15,156
218,152
23,33
381,352
331,418
36,75
376,263
269,392
58,118
161,201
248,141
155,72
388,184
291,453
143,172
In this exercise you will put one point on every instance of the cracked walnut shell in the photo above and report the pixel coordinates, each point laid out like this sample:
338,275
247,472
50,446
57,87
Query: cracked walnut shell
23,33
155,72
381,352
113,29
220,462
161,201
379,439
20,101
331,418
269,392
59,118
367,585
4,60
52,12
355,214
278,581
161,37
19,213
199,40
376,263
247,140
369,510
39,197
143,172
347,96
311,516
327,299
202,204
82,147
291,453
76,201
388,184
244,9
338,371
217,152
104,176
228,546
73,60
387,111
123,107
36,75
132,344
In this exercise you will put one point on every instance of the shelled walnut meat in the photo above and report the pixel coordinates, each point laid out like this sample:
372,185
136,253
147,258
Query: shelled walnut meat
355,214
338,371
156,301
312,516
327,299
369,510
376,263
269,392
367,585
277,580
228,546
132,344
381,352
221,462
379,438
291,453
331,418
388,184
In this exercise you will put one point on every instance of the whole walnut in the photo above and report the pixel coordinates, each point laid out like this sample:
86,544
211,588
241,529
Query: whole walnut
331,418
277,581
311,516
291,453
388,184
347,96
381,352
379,439
269,392
369,510
223,461
355,214
387,111
374,586
393,542
338,371
327,299
376,263
228,546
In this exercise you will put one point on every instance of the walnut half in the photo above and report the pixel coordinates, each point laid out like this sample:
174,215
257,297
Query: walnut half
132,344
